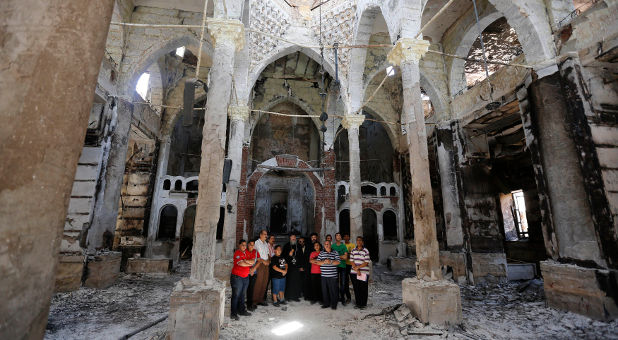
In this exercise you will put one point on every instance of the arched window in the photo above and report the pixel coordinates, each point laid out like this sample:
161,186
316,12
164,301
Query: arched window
382,191
167,223
393,191
192,186
369,190
167,184
389,220
178,185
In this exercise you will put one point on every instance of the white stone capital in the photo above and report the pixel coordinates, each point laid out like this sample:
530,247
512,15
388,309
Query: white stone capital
408,50
227,31
352,121
238,112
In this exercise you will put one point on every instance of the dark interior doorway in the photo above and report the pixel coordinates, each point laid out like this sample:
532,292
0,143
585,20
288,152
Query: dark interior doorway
278,212
344,222
186,233
389,221
370,233
167,223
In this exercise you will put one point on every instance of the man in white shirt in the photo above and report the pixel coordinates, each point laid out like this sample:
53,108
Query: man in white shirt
263,261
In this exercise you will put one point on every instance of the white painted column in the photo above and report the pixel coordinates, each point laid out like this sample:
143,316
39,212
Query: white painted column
407,54
153,221
238,116
106,208
228,35
352,123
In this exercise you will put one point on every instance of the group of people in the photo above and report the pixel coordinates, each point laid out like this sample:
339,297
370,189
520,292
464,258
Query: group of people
310,270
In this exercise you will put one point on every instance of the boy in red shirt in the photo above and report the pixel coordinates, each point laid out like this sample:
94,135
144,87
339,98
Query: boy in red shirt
239,280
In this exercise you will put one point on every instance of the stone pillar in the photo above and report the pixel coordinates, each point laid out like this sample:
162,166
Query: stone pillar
576,277
430,298
197,303
450,192
238,117
352,123
106,209
153,221
44,110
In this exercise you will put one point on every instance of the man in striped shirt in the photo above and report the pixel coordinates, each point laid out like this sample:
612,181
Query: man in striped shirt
360,273
328,261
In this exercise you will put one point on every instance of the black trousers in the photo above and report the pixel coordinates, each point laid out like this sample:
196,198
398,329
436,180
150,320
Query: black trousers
316,288
305,278
330,291
293,284
348,276
344,289
361,290
252,279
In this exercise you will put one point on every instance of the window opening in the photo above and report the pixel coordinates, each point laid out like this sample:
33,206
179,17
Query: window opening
142,85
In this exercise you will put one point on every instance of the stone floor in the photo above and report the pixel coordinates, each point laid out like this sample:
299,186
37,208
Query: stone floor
503,311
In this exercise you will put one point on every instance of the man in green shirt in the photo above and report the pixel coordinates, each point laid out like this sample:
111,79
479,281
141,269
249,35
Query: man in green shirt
342,250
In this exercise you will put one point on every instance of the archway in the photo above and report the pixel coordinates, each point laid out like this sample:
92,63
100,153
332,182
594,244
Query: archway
186,232
389,222
286,199
167,223
370,233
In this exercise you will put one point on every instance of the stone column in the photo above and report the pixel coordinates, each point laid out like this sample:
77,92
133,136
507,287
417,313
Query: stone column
153,221
44,110
106,209
197,303
450,192
430,298
238,117
554,118
352,123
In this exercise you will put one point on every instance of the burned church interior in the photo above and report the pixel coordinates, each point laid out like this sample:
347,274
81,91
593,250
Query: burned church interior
471,144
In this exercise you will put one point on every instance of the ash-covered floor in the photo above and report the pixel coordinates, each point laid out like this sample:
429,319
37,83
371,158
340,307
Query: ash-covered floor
493,311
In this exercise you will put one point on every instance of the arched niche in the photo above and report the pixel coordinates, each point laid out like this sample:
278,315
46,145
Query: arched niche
167,223
284,203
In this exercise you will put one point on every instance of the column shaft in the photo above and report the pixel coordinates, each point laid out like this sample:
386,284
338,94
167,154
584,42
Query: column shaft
44,110
356,203
211,168
153,221
428,258
106,209
237,134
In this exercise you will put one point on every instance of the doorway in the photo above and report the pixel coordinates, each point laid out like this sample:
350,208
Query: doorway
370,233
344,223
278,212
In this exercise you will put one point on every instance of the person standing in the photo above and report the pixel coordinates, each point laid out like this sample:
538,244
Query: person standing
263,261
349,246
293,284
271,253
360,273
239,280
314,239
315,293
328,261
329,238
304,267
342,276
278,272
252,254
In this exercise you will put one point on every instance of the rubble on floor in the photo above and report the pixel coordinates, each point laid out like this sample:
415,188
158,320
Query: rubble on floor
490,311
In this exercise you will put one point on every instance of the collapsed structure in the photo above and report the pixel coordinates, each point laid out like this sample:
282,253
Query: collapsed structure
468,135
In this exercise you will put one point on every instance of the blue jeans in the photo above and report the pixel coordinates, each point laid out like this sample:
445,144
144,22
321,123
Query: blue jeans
344,290
239,291
278,285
